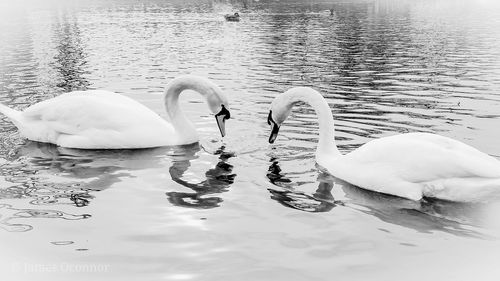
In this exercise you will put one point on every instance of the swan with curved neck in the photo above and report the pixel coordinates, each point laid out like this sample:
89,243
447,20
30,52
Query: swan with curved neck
412,165
99,119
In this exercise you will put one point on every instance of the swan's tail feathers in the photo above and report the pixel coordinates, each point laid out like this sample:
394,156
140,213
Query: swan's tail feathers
13,114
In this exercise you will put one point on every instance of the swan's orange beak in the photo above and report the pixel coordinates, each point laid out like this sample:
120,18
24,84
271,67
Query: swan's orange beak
221,118
275,128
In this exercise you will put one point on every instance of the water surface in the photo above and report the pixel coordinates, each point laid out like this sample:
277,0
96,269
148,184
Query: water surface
239,208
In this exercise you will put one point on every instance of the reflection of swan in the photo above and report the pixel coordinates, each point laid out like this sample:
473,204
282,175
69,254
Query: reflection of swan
99,169
321,201
424,216
56,178
218,180
106,120
47,174
407,165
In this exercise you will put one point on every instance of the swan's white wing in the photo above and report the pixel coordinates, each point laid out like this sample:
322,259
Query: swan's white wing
74,112
422,157
101,118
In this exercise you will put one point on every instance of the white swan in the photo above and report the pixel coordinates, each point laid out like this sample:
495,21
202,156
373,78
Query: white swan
105,120
409,165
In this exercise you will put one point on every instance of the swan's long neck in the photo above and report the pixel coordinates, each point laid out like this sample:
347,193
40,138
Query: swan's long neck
326,143
184,128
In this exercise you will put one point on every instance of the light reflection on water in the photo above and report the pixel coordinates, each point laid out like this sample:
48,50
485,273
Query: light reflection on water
384,66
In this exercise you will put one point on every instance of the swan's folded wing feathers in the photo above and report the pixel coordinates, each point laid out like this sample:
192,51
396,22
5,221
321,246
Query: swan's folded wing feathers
73,113
471,161
420,157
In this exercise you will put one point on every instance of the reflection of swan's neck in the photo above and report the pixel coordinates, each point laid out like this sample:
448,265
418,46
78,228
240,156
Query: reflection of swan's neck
184,128
218,178
326,144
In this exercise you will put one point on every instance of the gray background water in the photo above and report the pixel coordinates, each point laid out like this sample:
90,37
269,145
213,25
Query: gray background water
239,208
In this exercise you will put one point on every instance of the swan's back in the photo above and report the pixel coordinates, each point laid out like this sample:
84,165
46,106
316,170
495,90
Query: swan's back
420,164
422,157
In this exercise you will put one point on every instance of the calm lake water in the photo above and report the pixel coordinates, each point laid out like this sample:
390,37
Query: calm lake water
238,208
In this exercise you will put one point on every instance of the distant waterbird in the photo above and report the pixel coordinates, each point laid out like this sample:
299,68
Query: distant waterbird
233,17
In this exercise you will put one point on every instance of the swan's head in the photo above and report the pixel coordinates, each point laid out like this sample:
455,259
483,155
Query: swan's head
216,99
219,106
280,109
282,106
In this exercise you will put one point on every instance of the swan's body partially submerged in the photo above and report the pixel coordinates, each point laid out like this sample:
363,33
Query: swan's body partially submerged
409,165
106,120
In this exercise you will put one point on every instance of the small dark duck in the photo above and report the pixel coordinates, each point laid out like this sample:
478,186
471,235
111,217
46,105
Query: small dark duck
235,17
